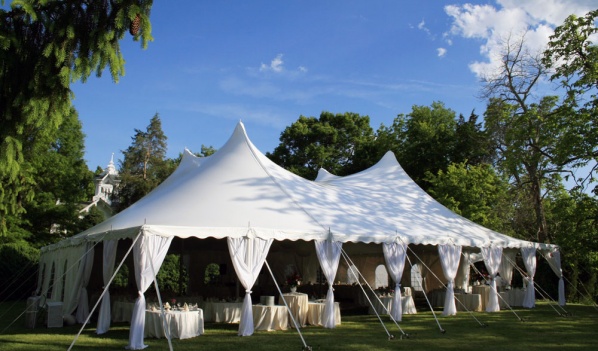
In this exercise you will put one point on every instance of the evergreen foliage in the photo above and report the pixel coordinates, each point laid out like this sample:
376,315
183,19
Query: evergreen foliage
44,46
144,165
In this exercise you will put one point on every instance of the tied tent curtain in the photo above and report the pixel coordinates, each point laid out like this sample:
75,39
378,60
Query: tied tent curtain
449,258
248,256
83,307
554,261
329,254
394,255
492,257
148,253
529,259
108,258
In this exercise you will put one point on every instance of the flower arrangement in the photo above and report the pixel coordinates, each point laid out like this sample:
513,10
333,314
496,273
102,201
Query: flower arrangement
294,280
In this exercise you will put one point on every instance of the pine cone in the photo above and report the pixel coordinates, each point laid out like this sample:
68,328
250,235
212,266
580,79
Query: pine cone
135,25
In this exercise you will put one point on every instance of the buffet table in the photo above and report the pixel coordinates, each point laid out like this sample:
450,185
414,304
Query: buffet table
407,305
182,324
270,317
223,312
298,304
315,311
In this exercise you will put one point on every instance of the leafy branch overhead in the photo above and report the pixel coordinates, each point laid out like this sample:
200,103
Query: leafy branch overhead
44,46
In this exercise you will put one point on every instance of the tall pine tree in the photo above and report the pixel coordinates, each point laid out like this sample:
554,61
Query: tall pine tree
144,165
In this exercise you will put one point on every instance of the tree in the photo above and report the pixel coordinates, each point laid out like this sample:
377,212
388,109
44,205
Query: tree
329,142
573,58
44,46
476,192
430,138
144,165
525,129
61,182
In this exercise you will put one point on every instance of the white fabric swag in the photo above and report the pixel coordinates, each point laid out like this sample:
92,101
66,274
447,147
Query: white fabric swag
554,261
149,253
492,258
83,306
248,256
529,259
506,266
394,255
108,258
449,258
329,254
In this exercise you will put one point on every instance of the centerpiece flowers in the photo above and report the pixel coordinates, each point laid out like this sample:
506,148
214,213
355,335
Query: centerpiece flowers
293,281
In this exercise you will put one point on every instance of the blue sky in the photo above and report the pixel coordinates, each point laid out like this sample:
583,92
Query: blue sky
214,63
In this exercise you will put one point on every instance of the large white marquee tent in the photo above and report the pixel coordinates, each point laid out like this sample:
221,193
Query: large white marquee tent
241,196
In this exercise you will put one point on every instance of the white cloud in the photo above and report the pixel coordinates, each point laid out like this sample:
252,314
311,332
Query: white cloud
441,52
510,18
276,65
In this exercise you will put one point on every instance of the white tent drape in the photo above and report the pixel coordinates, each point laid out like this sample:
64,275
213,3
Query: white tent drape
83,306
449,259
554,261
108,258
73,274
506,266
329,254
394,255
59,258
148,253
529,259
248,256
492,257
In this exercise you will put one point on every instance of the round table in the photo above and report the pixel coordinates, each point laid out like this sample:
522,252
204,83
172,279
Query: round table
298,304
182,324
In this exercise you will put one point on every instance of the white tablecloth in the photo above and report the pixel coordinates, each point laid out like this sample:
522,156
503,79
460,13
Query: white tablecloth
407,304
513,297
469,302
223,312
183,325
270,317
122,311
484,291
315,311
298,303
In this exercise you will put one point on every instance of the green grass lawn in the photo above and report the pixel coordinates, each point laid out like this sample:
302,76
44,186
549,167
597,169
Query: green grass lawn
542,329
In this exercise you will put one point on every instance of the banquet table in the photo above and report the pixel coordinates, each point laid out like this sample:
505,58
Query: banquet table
484,291
122,311
298,304
468,302
223,312
182,324
407,304
315,311
513,297
270,317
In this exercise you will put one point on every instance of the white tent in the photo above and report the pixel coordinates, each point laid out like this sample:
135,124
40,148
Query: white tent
240,195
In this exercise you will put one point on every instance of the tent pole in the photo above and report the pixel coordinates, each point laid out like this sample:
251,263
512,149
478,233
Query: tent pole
390,336
305,346
104,291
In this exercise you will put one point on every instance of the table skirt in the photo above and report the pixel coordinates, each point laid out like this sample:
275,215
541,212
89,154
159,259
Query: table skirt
316,310
182,325
270,317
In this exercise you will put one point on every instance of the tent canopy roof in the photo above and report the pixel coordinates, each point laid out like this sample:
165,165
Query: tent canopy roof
238,191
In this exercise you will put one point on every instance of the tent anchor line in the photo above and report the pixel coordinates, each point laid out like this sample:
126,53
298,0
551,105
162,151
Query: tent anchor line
481,324
305,346
390,336
538,288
